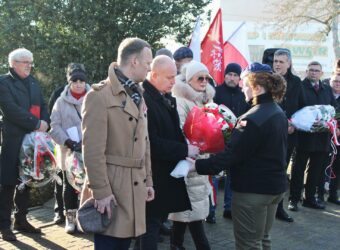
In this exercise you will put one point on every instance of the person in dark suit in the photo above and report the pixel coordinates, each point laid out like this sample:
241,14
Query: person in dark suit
312,147
292,101
168,147
24,111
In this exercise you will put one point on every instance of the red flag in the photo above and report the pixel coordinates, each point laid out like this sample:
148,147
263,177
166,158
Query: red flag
212,49
236,49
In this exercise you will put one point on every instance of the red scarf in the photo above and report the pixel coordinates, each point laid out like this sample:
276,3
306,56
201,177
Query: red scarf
77,96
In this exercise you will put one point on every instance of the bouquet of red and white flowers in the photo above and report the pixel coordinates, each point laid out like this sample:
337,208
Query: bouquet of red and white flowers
209,127
37,162
75,172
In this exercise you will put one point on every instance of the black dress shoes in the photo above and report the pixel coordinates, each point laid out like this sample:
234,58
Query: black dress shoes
293,206
227,214
334,199
26,227
313,203
282,215
211,219
8,235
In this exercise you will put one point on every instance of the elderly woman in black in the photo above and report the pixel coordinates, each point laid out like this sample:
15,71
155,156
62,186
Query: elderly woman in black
256,158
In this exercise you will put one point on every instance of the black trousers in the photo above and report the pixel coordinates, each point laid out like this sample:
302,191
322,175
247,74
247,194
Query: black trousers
149,240
58,195
290,156
334,182
196,229
317,162
70,195
21,201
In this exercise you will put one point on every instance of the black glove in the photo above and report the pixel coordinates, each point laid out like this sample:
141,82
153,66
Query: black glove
71,144
77,148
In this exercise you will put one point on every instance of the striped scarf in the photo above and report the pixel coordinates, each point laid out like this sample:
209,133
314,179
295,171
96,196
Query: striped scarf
132,88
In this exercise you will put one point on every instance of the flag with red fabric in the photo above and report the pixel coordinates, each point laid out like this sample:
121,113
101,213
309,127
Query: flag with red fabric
212,49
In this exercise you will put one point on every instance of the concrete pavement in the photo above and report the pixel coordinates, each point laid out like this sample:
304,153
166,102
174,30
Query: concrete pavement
312,230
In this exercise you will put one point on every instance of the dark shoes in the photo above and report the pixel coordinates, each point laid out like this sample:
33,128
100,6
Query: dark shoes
173,247
227,214
58,218
281,214
313,203
165,228
293,206
8,235
334,199
211,219
26,227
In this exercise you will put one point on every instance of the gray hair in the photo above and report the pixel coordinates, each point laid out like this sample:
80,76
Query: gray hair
284,52
17,54
130,46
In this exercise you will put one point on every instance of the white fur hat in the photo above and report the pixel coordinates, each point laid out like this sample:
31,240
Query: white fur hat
191,68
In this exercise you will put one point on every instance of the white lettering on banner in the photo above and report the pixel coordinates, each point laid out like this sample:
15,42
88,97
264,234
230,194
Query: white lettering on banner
216,54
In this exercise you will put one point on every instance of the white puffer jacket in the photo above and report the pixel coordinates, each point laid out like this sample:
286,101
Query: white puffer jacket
198,186
64,116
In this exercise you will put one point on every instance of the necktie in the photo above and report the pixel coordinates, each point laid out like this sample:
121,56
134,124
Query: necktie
316,87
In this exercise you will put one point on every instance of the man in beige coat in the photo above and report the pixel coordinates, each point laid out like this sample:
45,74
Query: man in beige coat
116,146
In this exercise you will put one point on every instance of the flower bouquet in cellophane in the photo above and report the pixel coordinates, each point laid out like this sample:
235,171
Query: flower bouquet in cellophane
208,128
75,172
37,164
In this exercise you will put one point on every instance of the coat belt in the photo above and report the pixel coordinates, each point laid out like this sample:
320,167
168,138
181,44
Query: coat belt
124,161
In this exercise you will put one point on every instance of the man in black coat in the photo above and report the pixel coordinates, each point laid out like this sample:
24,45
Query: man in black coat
24,111
293,100
230,94
168,147
311,146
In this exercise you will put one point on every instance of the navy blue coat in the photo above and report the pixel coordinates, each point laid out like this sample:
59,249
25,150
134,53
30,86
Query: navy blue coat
16,98
256,154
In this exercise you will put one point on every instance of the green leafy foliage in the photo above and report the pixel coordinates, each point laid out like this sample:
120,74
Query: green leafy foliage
89,31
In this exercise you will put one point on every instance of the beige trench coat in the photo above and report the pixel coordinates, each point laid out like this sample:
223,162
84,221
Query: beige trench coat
116,153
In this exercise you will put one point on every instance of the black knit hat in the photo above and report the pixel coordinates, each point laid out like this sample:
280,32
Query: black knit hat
233,67
183,52
77,74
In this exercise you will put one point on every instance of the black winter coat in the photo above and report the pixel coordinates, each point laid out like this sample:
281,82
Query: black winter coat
316,142
16,98
168,147
293,100
256,155
233,98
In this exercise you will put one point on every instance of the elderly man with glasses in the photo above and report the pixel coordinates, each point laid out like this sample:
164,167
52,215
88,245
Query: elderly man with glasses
24,111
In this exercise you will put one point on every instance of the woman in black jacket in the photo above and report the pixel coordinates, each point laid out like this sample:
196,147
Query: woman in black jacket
256,158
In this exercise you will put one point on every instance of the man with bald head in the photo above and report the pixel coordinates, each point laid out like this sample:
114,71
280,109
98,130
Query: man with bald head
168,147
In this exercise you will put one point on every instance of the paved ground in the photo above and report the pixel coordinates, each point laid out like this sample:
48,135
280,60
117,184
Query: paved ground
312,230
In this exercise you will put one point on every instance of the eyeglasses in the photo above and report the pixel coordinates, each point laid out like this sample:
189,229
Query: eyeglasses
314,70
202,78
26,62
76,80
336,81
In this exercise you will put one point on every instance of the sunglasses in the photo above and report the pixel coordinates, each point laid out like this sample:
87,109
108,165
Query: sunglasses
202,78
77,79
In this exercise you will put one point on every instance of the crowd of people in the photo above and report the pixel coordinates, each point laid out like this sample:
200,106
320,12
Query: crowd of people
129,135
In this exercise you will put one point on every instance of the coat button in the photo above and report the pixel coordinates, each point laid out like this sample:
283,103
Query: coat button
144,115
135,183
136,139
144,180
130,118
146,138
